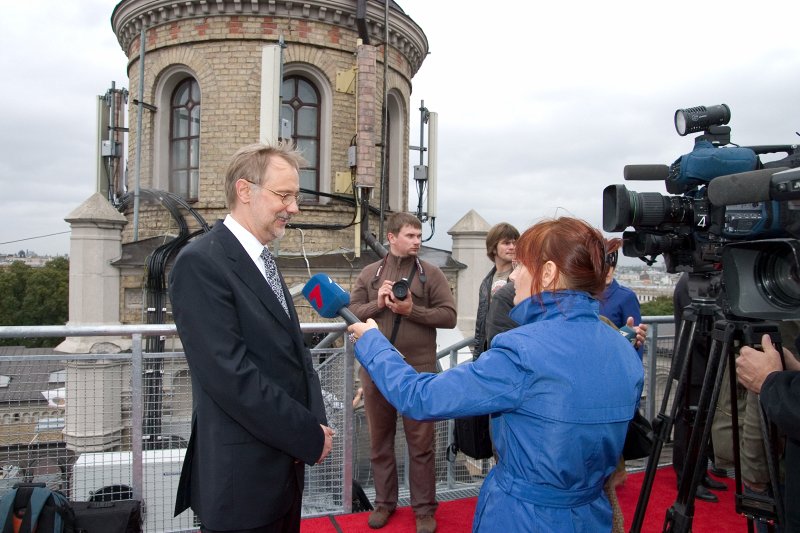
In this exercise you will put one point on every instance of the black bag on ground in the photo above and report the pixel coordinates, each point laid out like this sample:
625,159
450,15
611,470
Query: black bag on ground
30,507
121,516
471,436
639,439
360,501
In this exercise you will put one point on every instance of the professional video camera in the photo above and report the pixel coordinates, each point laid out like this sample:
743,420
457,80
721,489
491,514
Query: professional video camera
730,213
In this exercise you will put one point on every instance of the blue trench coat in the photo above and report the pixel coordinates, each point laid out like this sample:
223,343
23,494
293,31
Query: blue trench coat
562,388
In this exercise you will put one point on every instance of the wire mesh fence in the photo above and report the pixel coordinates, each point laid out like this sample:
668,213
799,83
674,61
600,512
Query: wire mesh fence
103,427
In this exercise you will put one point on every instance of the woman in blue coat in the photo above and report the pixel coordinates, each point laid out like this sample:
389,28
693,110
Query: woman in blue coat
561,388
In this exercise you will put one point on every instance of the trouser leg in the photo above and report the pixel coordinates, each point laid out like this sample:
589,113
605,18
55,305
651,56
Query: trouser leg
755,472
420,437
382,422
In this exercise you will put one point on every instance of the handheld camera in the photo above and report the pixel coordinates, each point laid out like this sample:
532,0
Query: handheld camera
400,289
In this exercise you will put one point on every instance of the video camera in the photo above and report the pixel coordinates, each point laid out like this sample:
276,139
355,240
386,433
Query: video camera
730,212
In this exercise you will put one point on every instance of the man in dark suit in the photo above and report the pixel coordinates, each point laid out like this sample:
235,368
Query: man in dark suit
258,416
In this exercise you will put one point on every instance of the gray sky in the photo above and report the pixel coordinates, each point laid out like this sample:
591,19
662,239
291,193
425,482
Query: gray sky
56,58
540,104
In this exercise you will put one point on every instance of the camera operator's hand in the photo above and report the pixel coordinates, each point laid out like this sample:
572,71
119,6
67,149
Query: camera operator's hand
753,366
384,293
400,307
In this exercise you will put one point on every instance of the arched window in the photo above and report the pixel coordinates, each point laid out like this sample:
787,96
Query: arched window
184,139
300,106
395,152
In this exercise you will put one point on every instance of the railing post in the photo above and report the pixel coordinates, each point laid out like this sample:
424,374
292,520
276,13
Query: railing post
349,432
652,360
451,478
137,414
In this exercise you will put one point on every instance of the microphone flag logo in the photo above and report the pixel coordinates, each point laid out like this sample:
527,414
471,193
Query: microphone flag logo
315,297
325,295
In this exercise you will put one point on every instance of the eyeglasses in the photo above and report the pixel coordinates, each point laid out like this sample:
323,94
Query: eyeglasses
286,197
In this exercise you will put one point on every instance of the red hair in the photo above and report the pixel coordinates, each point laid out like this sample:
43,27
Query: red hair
575,247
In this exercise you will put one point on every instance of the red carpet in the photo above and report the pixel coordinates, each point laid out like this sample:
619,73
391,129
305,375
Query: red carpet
451,517
456,516
708,517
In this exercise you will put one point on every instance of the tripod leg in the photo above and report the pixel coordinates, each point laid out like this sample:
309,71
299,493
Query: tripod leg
680,516
768,432
662,426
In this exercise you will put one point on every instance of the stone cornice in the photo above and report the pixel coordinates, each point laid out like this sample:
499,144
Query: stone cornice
405,35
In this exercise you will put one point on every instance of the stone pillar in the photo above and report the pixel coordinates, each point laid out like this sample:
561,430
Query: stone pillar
93,413
469,247
94,285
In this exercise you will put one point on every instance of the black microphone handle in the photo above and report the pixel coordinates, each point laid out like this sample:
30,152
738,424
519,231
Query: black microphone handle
645,172
348,316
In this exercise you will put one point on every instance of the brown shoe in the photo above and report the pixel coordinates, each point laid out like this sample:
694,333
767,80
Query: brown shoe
379,517
426,523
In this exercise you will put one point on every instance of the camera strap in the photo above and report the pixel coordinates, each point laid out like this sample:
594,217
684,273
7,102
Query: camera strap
397,318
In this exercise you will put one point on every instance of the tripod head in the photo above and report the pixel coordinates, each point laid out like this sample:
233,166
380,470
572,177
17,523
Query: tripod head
698,300
704,286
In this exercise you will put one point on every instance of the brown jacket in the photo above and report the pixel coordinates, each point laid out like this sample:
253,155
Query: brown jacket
434,307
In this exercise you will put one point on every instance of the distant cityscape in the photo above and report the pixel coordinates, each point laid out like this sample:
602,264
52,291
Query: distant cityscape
27,257
648,282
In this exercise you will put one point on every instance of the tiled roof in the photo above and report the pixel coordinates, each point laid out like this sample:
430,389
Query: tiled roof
29,377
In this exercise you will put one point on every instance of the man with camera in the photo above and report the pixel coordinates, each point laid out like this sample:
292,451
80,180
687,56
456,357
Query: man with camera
408,298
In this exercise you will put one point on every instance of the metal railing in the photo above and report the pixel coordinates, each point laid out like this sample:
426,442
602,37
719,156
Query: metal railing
658,344
83,424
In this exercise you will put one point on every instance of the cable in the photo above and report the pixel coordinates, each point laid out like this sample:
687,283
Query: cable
303,250
37,237
346,199
156,298
433,229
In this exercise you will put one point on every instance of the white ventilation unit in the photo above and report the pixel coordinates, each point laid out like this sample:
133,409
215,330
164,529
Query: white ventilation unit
95,472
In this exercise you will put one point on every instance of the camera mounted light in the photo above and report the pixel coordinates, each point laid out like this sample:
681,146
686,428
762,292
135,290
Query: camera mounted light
700,118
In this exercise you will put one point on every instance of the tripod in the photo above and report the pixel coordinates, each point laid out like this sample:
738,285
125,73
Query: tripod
705,316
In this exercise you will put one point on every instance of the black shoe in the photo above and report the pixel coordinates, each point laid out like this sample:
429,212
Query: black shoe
713,484
719,472
705,495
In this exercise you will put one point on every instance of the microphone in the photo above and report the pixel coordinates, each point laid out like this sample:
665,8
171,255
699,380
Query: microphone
328,298
645,172
755,186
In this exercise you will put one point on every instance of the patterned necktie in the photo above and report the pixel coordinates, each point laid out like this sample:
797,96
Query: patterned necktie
271,270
